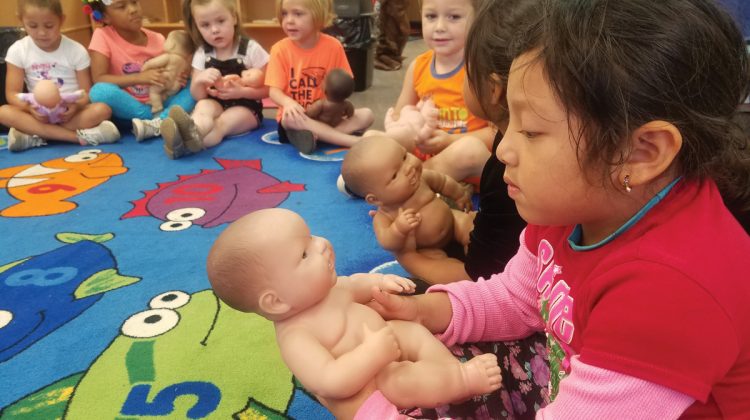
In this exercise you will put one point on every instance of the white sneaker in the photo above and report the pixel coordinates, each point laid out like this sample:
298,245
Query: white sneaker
106,132
145,129
19,141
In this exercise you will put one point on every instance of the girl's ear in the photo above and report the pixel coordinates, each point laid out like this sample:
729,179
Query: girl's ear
497,92
270,303
655,146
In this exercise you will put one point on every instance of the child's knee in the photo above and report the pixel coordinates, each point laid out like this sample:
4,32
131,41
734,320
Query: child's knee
101,92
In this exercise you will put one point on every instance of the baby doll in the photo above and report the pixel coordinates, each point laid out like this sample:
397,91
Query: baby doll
250,77
340,349
415,123
332,109
47,99
381,171
175,60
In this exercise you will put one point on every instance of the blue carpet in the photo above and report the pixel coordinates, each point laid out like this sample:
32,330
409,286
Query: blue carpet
105,309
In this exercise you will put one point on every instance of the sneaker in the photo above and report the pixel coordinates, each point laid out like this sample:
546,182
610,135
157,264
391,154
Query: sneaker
174,147
191,137
19,141
302,140
145,129
106,132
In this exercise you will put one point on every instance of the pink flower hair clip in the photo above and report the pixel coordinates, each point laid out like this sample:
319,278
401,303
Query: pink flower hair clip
95,14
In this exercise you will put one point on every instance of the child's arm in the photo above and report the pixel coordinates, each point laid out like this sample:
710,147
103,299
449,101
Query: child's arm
100,69
13,86
360,285
408,95
447,186
341,377
391,233
292,109
201,81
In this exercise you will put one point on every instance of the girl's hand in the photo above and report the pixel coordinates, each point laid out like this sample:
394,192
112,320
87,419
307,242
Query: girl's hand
153,77
396,284
38,115
230,90
72,109
391,306
208,77
435,144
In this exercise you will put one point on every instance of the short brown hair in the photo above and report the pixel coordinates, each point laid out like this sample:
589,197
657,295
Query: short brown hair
52,5
321,10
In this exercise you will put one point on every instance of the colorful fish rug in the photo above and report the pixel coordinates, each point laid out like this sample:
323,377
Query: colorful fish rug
105,308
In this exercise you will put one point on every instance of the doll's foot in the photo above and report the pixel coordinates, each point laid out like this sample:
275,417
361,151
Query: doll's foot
174,146
19,141
302,140
191,137
481,375
145,129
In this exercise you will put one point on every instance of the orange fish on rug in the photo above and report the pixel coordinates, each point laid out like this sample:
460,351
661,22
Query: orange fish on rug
43,189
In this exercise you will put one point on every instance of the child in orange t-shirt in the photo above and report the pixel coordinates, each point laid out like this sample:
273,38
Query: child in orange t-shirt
296,71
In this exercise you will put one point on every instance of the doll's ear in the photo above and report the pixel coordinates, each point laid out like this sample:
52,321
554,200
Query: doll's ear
270,303
372,200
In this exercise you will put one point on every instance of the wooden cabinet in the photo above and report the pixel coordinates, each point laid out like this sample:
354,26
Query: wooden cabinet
257,17
76,25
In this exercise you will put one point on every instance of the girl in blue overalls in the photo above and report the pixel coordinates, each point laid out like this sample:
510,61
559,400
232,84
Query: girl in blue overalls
225,107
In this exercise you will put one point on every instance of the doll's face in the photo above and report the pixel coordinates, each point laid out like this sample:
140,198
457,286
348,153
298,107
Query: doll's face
301,268
43,26
393,173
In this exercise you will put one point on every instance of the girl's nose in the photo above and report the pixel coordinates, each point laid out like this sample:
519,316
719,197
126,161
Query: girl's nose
504,151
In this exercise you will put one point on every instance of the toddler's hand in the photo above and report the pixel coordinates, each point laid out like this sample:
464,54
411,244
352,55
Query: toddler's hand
396,284
391,306
407,220
381,344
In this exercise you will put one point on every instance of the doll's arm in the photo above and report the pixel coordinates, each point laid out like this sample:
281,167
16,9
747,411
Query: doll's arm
341,377
447,186
348,109
315,109
360,285
156,63
391,233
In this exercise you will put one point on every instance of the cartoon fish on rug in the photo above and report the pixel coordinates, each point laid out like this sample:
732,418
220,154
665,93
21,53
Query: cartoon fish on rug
188,356
213,197
44,189
39,294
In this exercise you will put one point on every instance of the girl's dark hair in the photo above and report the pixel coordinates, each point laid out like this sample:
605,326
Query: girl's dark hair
487,49
618,64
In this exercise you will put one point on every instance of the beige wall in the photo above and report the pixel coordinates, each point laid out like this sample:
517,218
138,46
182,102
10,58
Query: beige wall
77,25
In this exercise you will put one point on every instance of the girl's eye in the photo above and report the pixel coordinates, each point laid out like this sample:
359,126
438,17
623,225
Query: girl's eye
429,16
456,17
529,134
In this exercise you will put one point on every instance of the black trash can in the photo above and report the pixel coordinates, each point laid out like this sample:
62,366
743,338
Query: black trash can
8,35
356,35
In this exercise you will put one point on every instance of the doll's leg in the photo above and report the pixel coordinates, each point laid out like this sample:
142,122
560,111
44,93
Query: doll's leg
124,106
462,159
234,120
430,375
154,96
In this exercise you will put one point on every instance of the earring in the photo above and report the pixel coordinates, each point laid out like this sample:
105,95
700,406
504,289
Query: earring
626,183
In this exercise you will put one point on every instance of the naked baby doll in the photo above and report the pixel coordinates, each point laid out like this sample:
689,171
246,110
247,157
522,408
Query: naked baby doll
47,100
416,123
250,77
381,171
175,60
341,350
334,108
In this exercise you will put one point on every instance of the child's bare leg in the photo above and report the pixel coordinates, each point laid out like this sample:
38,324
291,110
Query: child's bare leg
462,159
90,116
361,119
430,375
24,122
205,113
463,224
234,120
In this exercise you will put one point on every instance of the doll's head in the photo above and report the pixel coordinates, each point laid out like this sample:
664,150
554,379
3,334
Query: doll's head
46,93
268,263
253,78
339,85
179,41
381,171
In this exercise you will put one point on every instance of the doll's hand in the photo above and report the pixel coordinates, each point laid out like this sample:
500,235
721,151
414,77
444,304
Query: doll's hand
154,77
407,220
396,284
435,144
464,202
381,344
391,306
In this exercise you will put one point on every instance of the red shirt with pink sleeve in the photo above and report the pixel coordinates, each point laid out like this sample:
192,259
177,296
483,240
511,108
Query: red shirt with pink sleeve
126,58
666,300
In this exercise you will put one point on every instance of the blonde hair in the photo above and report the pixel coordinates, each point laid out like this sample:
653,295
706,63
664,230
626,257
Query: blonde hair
321,10
52,5
192,28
